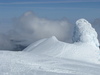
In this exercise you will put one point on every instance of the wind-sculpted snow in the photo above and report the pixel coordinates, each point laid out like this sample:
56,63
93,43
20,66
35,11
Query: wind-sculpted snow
50,56
84,48
77,51
84,32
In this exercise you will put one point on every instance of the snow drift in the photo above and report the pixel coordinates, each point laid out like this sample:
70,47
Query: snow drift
84,48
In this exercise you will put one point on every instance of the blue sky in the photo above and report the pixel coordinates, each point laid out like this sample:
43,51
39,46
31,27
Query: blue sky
51,9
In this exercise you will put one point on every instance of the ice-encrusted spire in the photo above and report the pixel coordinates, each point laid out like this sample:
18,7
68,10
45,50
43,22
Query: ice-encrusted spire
84,32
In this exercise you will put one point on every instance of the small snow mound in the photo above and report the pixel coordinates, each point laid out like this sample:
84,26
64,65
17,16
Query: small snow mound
42,44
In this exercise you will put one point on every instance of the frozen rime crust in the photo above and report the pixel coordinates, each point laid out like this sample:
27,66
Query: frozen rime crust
84,32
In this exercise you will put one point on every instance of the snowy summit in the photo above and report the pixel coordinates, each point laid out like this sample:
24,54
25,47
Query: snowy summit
84,48
49,56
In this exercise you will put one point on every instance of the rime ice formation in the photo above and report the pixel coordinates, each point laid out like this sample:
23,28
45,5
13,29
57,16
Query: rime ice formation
84,32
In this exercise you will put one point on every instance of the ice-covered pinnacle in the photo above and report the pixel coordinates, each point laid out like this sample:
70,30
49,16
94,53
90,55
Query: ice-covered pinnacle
84,32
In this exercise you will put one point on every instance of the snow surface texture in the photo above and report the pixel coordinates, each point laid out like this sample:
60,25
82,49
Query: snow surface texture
24,63
50,56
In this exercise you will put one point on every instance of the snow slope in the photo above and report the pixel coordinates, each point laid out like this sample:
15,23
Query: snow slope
50,56
77,51
24,63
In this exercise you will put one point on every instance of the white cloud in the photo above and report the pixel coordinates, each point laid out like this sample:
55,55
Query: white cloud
29,28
